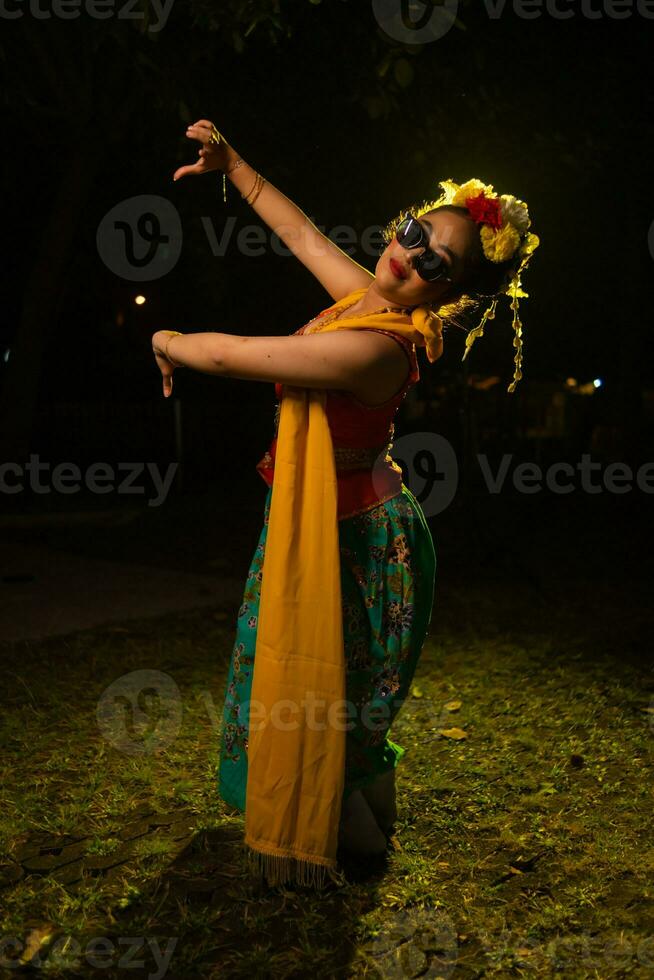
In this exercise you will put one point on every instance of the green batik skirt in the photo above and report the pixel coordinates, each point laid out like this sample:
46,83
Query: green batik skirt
388,569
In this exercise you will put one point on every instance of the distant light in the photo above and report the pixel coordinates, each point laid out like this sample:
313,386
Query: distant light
597,382
571,382
5,356
139,300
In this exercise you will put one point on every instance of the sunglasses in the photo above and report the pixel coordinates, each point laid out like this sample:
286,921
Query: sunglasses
429,265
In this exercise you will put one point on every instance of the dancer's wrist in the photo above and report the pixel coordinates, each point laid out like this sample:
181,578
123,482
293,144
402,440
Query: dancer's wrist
240,173
233,162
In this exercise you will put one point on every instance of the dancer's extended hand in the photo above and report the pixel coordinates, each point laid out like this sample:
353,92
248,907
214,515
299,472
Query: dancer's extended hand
212,156
165,366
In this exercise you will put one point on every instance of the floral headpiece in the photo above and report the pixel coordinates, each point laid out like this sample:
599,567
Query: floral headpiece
503,228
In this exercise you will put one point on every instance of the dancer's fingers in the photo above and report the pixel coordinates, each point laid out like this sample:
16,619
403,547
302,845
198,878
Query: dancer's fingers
195,168
198,133
201,133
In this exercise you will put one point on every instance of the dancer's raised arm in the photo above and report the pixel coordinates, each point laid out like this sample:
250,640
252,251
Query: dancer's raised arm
332,267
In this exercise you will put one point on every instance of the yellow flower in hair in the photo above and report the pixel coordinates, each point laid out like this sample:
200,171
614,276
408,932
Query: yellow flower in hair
449,189
514,212
503,221
471,188
501,244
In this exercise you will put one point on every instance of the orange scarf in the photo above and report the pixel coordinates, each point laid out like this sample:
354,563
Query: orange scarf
298,709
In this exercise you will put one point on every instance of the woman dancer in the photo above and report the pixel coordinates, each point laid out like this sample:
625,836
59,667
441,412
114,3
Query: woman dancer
340,591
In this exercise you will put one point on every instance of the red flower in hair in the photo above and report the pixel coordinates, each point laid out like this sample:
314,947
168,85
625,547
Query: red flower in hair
485,210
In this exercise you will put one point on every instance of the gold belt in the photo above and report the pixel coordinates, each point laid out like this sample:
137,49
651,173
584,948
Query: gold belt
346,458
350,459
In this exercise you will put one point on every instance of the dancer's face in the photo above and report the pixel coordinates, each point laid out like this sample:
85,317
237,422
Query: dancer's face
451,236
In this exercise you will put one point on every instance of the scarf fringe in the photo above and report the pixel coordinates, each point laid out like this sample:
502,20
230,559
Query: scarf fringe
280,869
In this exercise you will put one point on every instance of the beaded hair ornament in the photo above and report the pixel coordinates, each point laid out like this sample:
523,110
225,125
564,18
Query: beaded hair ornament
503,223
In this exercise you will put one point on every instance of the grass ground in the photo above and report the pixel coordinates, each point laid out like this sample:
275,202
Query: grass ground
524,841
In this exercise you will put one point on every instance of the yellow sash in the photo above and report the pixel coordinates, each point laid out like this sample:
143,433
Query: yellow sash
298,710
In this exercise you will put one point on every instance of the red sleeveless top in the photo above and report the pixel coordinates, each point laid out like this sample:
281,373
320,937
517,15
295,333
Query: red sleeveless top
362,436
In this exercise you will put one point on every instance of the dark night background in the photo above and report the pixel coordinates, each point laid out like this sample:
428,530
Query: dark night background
353,126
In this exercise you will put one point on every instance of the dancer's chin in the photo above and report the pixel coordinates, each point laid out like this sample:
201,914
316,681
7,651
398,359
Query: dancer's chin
393,288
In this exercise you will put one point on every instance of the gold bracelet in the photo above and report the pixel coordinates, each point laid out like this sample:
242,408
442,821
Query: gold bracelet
238,163
263,181
173,333
255,190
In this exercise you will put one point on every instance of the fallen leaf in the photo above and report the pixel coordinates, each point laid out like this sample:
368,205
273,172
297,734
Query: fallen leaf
36,939
456,733
453,705
416,691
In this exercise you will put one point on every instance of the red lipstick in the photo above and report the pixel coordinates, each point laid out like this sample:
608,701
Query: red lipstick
397,269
